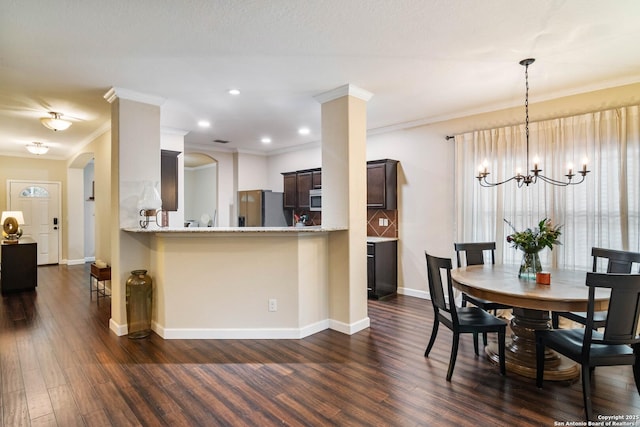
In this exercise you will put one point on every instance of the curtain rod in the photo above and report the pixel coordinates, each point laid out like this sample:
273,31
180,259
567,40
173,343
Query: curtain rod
448,137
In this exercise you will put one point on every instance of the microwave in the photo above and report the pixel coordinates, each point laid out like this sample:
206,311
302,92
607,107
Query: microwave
315,200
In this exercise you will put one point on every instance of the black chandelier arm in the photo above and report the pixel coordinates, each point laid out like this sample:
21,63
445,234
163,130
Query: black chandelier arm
566,183
482,179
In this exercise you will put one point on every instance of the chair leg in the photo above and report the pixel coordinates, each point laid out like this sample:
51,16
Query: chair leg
586,392
501,351
555,320
434,332
464,301
454,353
475,343
539,361
484,339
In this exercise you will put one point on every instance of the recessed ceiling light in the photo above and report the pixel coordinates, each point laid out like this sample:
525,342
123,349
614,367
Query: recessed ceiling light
266,140
204,124
234,92
304,131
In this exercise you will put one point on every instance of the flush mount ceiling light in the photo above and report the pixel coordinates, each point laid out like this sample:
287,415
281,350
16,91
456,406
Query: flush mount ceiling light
55,122
234,92
37,148
266,140
304,131
534,174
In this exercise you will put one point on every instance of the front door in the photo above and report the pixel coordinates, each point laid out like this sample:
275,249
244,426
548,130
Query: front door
40,206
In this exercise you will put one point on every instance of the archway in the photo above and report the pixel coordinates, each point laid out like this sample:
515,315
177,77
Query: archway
200,190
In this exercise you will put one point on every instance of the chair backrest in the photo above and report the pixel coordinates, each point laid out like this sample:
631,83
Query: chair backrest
441,298
623,313
617,261
474,252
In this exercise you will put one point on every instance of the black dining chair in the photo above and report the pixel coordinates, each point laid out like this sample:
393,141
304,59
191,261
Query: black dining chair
617,262
474,255
460,320
591,348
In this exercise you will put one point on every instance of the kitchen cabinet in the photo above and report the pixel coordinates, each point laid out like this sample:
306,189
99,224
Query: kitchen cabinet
382,268
297,185
169,179
316,178
19,265
304,183
290,190
382,182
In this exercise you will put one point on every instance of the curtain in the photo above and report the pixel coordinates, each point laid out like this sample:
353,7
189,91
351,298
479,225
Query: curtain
603,211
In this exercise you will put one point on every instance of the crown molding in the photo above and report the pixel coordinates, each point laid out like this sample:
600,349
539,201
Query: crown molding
345,90
118,92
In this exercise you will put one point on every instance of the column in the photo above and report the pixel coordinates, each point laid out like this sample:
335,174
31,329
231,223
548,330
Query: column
344,204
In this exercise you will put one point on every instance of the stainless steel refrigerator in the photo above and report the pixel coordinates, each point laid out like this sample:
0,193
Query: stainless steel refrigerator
260,208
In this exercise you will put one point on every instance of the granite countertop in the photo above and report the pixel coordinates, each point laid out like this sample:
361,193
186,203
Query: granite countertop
206,230
375,239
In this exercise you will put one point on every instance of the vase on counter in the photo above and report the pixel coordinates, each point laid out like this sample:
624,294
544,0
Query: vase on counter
530,265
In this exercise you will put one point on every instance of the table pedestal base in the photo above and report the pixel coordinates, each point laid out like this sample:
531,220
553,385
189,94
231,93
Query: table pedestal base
520,352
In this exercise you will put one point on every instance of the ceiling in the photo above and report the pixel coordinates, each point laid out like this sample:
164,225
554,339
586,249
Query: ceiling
424,61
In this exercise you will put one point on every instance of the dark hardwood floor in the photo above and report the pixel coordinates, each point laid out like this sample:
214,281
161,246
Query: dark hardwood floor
61,366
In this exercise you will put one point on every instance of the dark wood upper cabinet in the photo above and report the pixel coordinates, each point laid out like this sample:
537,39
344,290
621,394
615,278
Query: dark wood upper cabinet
169,179
382,181
316,178
304,183
290,190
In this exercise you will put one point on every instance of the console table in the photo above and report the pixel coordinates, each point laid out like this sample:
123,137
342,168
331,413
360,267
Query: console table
19,265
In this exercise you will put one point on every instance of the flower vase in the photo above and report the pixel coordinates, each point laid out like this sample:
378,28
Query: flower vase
530,266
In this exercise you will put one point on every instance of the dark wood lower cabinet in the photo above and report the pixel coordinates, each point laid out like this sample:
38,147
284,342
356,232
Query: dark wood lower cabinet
19,266
382,268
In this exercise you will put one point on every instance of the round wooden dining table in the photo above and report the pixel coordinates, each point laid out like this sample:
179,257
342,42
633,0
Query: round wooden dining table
531,304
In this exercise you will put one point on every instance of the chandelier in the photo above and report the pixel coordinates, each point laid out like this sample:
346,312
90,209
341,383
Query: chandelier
37,148
534,174
54,122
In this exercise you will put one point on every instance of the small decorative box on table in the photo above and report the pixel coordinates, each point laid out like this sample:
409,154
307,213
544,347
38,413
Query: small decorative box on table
99,274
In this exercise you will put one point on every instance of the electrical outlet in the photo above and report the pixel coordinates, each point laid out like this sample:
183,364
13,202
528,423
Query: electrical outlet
273,304
386,222
381,222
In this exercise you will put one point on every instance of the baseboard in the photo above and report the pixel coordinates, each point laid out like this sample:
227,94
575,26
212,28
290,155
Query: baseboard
414,293
118,329
72,261
350,329
239,334
89,259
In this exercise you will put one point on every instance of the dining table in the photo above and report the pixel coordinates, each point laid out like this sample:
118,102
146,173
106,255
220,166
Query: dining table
532,303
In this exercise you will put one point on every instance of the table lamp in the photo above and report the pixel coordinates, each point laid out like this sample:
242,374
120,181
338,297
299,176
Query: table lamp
11,222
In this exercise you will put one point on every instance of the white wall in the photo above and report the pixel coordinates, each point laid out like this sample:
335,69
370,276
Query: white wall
252,172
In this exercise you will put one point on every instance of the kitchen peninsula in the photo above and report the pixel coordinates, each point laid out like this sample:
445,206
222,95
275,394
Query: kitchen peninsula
240,282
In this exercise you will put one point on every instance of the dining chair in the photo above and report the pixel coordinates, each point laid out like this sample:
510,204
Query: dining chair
617,344
617,262
460,320
474,255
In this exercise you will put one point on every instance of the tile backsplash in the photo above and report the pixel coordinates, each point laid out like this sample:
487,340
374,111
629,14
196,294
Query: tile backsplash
389,219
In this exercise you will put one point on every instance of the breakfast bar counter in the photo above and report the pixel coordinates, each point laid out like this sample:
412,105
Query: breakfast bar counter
238,282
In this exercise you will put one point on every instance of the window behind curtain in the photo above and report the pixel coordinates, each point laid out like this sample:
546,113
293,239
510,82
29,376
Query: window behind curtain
602,211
